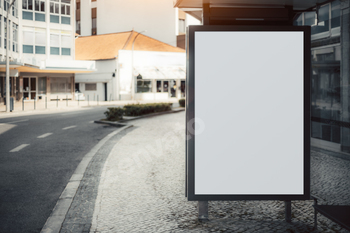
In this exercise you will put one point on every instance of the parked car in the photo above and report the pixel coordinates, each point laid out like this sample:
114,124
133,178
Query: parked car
79,95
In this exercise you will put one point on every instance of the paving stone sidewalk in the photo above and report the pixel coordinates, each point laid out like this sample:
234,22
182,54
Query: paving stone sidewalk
141,189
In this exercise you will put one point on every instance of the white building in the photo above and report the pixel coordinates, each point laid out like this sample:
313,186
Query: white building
152,71
158,18
42,39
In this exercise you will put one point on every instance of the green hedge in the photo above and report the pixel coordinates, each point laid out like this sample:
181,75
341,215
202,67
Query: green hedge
114,114
182,102
142,109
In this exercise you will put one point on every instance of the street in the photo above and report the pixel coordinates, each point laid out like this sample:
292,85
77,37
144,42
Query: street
38,155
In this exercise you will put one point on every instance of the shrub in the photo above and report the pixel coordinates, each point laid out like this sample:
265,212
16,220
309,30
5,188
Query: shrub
182,102
142,109
114,114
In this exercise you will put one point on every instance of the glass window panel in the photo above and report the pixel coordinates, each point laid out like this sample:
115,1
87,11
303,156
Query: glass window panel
54,40
39,49
299,21
30,4
65,51
28,37
90,87
335,21
66,41
55,50
65,20
63,9
309,18
42,85
40,17
57,8
54,19
40,38
67,10
159,86
27,15
42,6
94,23
32,84
37,5
65,1
52,6
27,48
24,4
165,86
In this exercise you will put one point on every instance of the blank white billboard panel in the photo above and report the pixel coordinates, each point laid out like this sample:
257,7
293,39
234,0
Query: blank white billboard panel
249,112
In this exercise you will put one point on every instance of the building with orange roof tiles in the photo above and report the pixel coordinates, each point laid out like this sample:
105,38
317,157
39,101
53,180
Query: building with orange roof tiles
130,66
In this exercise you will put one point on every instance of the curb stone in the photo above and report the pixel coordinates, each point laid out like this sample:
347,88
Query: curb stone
54,222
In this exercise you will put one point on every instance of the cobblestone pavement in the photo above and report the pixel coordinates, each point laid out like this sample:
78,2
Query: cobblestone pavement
142,189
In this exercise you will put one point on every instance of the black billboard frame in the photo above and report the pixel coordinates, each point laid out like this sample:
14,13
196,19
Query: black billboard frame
190,112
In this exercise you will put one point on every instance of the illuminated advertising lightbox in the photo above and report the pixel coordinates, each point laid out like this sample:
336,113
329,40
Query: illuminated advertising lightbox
248,113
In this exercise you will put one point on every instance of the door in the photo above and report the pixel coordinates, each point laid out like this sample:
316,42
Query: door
29,88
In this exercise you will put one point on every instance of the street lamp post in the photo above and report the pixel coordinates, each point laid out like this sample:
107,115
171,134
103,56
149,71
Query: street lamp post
7,58
132,66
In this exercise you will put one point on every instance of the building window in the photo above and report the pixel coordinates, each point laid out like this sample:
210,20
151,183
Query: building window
27,13
15,37
60,85
65,7
54,6
65,20
40,5
90,87
27,4
77,17
335,14
54,44
34,40
5,33
144,86
66,45
182,26
94,21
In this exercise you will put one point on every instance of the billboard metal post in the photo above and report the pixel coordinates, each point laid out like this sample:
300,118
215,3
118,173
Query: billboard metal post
288,211
203,211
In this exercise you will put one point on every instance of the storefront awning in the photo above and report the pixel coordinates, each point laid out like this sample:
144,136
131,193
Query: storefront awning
50,66
156,72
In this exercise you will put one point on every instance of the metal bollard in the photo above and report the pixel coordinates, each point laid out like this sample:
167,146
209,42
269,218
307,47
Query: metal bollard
110,97
57,102
22,103
97,99
46,102
34,103
78,100
67,100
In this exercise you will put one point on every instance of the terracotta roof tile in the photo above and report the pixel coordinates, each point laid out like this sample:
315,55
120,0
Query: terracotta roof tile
101,47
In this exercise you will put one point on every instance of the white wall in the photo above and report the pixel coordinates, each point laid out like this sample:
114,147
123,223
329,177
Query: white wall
103,74
142,58
155,16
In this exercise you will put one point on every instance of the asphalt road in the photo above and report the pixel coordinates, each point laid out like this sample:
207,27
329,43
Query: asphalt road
38,155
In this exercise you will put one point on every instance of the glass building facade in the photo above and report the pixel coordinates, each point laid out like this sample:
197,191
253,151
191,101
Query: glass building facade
330,99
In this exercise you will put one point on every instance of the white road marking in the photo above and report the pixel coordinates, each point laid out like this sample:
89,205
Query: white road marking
12,122
18,148
72,113
69,127
45,135
91,121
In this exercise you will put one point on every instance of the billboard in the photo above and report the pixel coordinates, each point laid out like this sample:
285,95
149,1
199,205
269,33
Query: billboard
248,113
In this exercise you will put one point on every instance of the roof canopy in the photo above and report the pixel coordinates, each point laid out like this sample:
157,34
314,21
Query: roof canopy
107,46
296,4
